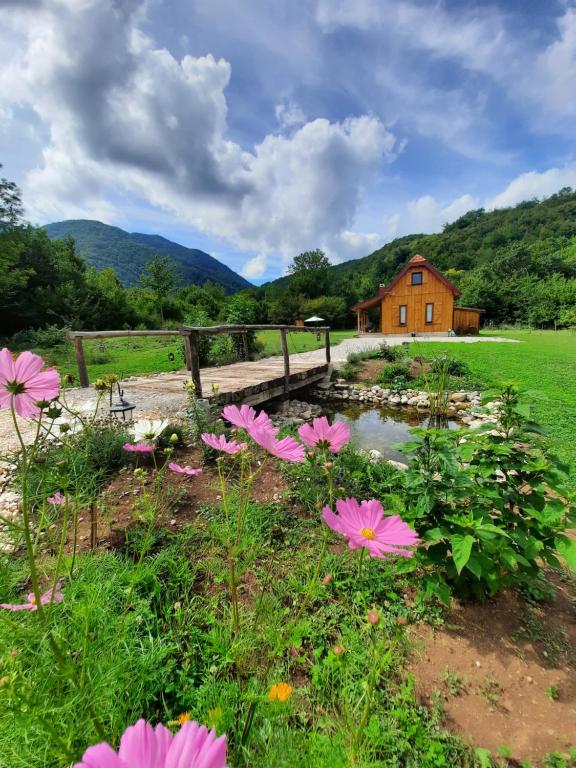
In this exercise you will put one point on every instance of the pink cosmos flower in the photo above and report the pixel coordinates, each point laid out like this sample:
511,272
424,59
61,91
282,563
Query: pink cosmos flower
364,525
320,434
219,443
142,746
184,470
287,449
58,499
246,417
45,599
24,384
138,447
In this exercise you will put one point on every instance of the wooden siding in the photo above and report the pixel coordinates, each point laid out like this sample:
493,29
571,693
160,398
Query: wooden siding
415,297
466,320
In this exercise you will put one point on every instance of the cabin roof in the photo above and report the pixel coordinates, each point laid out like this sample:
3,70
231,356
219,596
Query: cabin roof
416,261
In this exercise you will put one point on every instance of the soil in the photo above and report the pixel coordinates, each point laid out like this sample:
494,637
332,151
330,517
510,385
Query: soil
183,497
504,672
369,372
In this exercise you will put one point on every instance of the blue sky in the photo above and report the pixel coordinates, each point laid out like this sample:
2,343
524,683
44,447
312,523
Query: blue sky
257,129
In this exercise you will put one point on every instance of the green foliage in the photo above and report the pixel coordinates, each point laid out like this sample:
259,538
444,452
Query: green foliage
127,254
491,507
518,264
395,373
391,354
11,208
95,456
159,277
449,366
310,274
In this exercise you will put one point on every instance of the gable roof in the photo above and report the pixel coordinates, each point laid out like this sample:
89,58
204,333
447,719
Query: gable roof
420,261
416,261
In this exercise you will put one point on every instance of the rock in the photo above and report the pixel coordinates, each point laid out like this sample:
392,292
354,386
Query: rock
397,464
395,400
458,397
404,399
375,455
413,400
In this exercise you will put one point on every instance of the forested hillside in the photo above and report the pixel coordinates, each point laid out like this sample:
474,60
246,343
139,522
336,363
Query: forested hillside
519,264
103,246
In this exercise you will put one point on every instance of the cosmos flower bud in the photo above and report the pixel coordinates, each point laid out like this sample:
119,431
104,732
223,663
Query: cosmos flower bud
373,617
328,465
100,385
327,579
174,438
337,650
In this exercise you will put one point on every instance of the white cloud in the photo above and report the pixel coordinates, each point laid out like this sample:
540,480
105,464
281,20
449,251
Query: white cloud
426,214
123,114
289,114
534,184
255,267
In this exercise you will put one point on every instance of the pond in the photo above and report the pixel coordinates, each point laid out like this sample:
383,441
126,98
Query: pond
380,428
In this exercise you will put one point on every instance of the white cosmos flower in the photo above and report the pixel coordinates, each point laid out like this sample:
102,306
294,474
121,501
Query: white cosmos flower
146,430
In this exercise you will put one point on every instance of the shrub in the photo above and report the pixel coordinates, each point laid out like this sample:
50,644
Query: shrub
46,338
394,371
491,507
391,354
449,366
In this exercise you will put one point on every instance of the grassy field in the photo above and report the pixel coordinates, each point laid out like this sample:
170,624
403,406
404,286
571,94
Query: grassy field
544,363
141,355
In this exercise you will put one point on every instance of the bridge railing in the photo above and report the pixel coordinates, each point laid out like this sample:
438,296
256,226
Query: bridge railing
190,335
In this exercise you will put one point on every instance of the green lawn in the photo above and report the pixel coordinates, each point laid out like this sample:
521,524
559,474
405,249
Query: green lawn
544,363
148,354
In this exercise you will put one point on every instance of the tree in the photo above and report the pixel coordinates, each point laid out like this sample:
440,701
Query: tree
11,209
310,273
159,276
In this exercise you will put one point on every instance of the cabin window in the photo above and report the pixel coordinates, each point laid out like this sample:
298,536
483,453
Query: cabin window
429,313
416,278
402,314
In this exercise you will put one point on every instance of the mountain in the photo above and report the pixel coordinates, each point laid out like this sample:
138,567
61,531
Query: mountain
128,253
517,263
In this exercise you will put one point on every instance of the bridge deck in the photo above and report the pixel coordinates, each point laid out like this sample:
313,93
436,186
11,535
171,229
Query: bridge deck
250,382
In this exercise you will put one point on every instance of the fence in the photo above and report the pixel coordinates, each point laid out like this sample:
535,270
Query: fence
191,335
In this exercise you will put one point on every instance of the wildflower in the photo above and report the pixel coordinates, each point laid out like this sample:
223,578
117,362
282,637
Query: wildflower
364,525
148,430
183,470
327,579
183,718
190,386
320,434
287,449
100,385
219,443
246,417
373,617
31,605
337,650
280,692
174,438
328,464
194,746
23,383
215,388
138,447
58,499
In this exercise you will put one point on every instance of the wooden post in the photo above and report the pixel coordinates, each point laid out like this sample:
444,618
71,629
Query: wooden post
192,354
327,346
81,362
245,343
286,362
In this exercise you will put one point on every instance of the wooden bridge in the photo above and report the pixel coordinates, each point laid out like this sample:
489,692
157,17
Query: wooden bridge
251,382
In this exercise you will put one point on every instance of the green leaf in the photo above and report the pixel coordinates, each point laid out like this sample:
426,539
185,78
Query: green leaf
474,565
566,548
436,534
484,757
491,528
461,550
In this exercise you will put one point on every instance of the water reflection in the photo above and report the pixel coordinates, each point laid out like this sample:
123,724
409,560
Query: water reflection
380,428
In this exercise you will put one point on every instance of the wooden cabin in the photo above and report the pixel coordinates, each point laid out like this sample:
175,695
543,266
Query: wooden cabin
419,300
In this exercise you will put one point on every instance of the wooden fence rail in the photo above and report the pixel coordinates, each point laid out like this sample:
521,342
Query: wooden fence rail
191,336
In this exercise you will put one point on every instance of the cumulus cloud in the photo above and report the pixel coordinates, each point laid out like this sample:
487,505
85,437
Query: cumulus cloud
125,114
255,267
289,114
534,185
427,214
